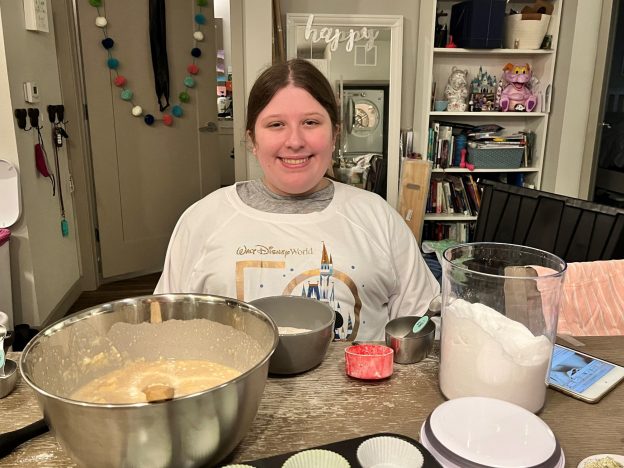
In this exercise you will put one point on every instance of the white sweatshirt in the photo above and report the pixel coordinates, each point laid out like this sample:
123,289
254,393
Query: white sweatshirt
357,254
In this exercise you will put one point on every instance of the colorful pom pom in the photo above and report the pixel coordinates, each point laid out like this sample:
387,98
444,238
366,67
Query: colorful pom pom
196,52
192,69
167,120
119,81
112,63
126,94
198,36
149,119
101,22
189,82
108,43
95,3
177,111
137,111
184,97
202,2
200,19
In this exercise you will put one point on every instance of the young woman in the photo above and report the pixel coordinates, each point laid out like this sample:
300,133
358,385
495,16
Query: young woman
296,232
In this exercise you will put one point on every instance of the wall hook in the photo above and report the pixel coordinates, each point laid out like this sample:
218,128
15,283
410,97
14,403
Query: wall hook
20,115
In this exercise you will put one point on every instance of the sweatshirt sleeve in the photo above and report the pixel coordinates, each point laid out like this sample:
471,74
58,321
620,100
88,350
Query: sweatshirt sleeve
176,269
416,285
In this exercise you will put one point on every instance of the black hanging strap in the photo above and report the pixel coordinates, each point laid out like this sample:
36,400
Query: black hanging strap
158,43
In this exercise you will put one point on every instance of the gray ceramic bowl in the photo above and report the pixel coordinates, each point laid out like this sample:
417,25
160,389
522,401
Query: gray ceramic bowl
411,348
298,352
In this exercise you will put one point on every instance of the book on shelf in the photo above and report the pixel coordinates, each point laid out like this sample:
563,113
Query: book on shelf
444,145
459,232
453,194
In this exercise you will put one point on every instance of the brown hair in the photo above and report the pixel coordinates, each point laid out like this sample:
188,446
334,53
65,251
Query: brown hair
299,73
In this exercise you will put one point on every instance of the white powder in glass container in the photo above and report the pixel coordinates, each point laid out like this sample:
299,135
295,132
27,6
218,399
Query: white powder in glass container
484,353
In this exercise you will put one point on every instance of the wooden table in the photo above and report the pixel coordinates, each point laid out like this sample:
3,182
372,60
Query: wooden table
324,405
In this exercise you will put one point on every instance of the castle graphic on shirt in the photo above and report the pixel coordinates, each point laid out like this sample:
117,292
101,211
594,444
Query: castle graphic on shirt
323,289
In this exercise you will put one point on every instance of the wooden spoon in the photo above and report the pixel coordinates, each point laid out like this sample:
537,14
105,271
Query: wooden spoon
158,392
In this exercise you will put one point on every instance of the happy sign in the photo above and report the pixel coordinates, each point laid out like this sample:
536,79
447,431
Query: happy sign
333,36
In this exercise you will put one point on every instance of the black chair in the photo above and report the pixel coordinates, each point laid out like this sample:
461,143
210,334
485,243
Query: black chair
573,229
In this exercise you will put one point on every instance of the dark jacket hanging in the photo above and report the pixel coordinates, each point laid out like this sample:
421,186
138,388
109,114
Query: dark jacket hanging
158,43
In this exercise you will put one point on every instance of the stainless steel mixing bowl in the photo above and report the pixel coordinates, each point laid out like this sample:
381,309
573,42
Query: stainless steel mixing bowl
193,430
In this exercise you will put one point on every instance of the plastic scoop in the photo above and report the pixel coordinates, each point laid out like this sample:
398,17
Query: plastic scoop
435,307
420,324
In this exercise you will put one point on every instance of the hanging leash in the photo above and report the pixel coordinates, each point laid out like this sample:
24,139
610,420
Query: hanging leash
41,157
158,44
56,115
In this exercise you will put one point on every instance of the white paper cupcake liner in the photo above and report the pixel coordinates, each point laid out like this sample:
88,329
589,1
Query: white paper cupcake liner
389,452
315,459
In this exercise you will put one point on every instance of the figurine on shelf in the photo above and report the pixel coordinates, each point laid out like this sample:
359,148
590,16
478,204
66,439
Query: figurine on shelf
483,82
516,95
483,93
456,90
450,44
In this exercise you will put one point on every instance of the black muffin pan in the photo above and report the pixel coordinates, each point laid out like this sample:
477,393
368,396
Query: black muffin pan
346,448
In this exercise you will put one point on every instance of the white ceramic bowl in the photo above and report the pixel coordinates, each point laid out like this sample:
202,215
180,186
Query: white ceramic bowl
389,452
491,432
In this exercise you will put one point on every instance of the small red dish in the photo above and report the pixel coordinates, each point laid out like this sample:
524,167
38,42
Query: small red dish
368,361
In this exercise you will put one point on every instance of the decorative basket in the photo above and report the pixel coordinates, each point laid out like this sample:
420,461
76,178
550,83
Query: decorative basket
495,158
528,32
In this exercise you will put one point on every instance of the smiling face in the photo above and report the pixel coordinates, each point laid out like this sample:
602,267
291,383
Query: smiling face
293,140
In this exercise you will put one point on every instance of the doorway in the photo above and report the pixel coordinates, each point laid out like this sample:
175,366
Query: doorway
609,153
142,177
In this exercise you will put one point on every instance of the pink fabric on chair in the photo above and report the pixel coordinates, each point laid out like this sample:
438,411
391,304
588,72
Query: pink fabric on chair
592,302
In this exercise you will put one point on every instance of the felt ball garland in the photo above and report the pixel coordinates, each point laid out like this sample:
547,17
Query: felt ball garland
177,111
121,81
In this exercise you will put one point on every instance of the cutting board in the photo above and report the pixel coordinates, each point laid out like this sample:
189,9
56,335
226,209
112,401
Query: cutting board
413,191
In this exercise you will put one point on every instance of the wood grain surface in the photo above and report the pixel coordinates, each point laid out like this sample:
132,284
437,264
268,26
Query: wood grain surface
324,405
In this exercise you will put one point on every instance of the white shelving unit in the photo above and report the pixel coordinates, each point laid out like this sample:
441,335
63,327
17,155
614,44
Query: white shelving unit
435,65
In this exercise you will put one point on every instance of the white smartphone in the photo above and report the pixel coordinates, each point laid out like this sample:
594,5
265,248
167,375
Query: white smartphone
583,376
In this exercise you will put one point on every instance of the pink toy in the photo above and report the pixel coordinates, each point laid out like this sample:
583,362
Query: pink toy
516,96
462,162
465,164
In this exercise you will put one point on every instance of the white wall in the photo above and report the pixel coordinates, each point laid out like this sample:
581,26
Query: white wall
571,98
45,266
257,48
222,10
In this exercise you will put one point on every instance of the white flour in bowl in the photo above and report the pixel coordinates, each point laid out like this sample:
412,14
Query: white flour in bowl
484,353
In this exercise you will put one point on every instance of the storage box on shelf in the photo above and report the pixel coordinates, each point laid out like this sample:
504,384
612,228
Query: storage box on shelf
435,66
495,158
